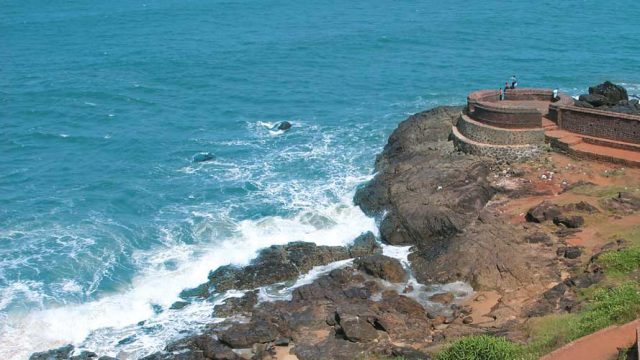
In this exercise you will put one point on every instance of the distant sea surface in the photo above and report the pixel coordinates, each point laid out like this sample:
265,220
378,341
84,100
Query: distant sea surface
104,216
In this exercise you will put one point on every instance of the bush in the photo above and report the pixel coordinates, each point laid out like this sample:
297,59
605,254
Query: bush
482,347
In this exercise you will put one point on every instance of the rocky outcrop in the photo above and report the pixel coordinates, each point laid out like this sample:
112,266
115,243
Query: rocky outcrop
382,267
611,91
279,263
60,353
429,196
610,97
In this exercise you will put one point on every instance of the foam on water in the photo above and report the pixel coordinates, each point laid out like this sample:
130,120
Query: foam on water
99,325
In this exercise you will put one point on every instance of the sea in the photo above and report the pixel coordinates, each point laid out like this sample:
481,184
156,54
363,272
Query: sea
104,106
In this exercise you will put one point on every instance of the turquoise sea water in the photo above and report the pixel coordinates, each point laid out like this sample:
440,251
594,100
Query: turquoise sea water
104,217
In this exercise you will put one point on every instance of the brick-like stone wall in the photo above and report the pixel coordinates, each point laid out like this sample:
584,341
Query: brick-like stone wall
598,123
483,133
506,117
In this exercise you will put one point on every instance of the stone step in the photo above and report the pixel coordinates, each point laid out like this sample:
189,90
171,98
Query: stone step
548,124
606,153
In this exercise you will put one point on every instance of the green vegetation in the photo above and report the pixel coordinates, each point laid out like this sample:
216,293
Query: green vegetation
483,347
606,306
620,262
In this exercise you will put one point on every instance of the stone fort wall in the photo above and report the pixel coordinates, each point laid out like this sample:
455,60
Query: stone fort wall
597,123
485,106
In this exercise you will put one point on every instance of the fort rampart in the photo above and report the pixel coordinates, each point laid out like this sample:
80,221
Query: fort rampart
597,123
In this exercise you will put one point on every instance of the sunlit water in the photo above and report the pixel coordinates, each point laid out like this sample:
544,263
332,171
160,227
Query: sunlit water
104,217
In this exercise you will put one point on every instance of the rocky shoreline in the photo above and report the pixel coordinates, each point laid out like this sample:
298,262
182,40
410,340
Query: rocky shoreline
445,206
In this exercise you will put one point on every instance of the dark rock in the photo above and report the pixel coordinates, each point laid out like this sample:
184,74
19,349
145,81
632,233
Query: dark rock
202,157
245,335
571,222
214,349
84,355
543,212
383,267
357,329
569,252
614,93
583,104
595,100
364,245
467,320
332,348
61,353
408,354
282,341
179,305
275,264
128,340
443,298
201,291
237,305
283,125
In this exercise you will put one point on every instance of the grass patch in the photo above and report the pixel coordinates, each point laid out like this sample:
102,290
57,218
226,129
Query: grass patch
483,347
605,307
621,262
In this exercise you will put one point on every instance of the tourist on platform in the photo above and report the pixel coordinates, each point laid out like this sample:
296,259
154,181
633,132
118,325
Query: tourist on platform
514,81
501,94
506,87
555,94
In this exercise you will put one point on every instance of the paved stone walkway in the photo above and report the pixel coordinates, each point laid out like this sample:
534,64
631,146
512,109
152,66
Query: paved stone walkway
601,345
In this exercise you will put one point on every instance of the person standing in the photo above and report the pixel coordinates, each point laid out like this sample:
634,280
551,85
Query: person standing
514,81
501,94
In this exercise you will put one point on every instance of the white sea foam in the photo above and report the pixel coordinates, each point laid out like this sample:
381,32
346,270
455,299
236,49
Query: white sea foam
99,325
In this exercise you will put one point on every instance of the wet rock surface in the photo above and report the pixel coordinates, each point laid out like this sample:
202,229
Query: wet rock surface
382,267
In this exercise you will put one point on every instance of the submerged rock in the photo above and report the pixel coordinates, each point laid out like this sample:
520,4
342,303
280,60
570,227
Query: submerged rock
202,157
283,125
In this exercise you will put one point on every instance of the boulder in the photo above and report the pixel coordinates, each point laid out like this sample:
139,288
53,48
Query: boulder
357,329
569,252
283,125
202,157
214,349
240,336
383,267
584,104
543,212
364,245
237,305
572,222
595,100
60,353
85,355
611,91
